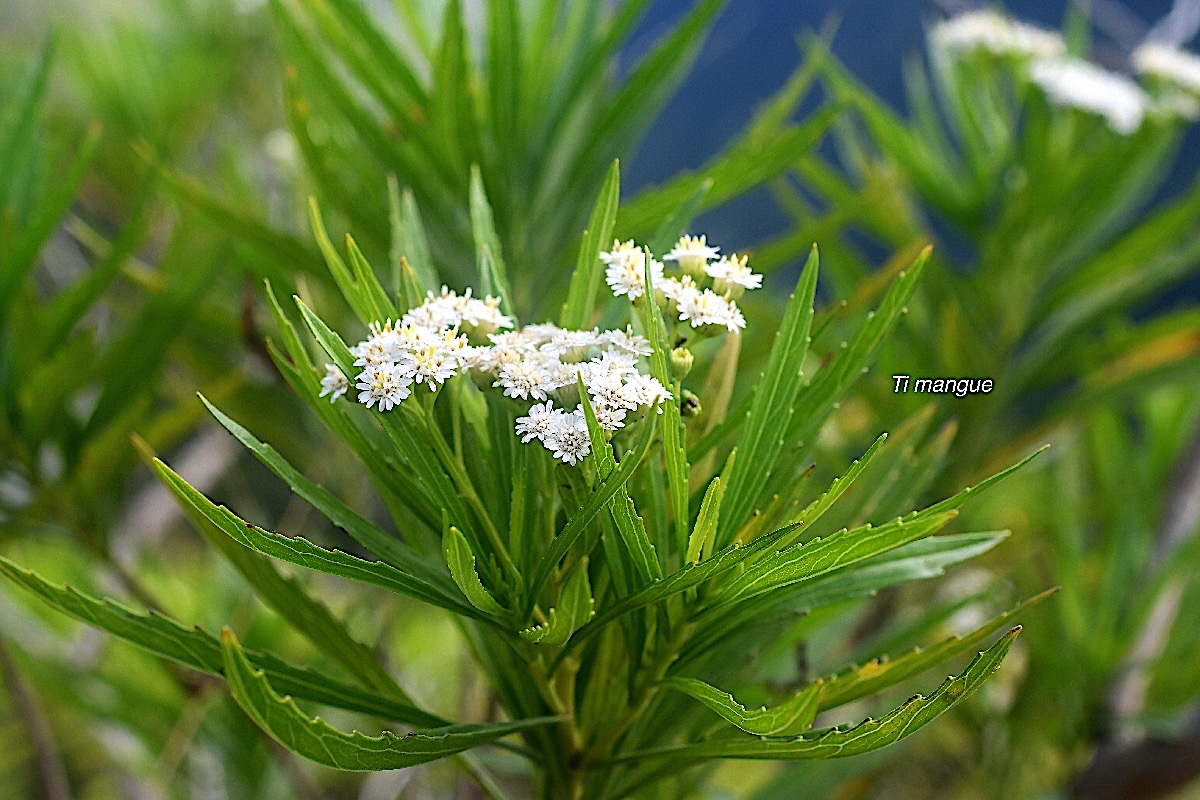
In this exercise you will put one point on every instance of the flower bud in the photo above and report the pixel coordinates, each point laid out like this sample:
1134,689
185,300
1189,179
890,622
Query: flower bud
681,362
689,405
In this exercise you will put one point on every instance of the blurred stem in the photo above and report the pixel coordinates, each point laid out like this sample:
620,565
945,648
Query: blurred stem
51,774
1181,515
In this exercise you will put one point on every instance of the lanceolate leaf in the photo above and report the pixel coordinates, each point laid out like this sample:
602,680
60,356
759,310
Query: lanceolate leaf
317,741
489,259
810,559
869,735
303,552
375,539
408,236
461,561
674,448
791,717
760,443
919,560
816,508
199,650
575,607
635,541
597,501
880,673
588,274
706,522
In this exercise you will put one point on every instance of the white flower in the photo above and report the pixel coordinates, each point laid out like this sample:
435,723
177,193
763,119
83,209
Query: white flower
571,345
1170,64
733,271
617,361
385,385
646,390
334,383
383,346
609,418
568,437
524,379
538,422
709,308
691,253
995,33
626,271
627,341
609,390
450,310
484,315
679,289
1178,69
432,364
1079,84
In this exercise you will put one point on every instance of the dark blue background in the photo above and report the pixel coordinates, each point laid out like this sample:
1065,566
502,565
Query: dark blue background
753,48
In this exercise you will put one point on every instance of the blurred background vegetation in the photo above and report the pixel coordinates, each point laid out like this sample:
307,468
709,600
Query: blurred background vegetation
155,162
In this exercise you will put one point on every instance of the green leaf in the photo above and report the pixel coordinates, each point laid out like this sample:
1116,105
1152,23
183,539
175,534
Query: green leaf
814,510
635,541
881,673
408,238
489,258
378,541
303,552
361,299
706,521
377,297
315,740
674,226
461,560
805,561
920,560
588,274
774,398
791,717
285,596
199,650
575,607
865,737
597,501
674,448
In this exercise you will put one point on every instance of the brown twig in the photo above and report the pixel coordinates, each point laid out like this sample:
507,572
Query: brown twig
1130,764
52,780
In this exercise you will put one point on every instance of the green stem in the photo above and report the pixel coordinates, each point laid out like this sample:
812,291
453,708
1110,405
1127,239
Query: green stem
458,473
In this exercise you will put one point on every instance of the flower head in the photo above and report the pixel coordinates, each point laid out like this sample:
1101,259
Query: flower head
334,383
732,275
538,422
710,308
384,385
691,253
568,438
626,271
995,33
1075,83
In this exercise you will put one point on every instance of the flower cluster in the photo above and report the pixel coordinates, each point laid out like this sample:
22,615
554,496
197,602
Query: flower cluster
995,33
546,363
541,363
1076,83
702,294
1179,70
427,345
